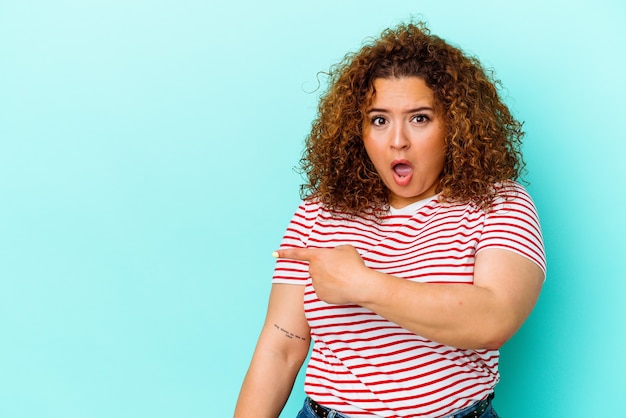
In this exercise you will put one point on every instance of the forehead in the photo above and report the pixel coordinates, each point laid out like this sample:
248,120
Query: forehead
399,91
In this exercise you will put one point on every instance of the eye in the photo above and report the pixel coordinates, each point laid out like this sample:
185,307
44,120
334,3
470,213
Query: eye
378,121
420,118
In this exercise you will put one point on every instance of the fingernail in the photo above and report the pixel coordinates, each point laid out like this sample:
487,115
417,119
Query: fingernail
275,254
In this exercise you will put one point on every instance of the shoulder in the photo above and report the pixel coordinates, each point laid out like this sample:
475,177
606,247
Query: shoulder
308,209
513,205
512,223
510,190
312,208
511,194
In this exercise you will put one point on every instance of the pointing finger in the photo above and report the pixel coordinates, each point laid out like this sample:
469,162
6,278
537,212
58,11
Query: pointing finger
302,254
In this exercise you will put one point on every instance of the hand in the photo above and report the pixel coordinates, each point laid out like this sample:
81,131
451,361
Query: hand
338,273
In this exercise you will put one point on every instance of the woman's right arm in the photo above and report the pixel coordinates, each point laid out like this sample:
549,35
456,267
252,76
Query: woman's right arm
282,348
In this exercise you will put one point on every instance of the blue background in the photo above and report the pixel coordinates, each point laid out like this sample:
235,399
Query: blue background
146,174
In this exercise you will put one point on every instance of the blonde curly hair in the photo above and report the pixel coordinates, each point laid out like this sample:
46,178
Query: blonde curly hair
483,139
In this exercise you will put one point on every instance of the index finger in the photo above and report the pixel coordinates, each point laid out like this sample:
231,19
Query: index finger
302,254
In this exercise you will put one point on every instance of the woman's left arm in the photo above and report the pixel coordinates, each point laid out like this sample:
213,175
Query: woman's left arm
482,315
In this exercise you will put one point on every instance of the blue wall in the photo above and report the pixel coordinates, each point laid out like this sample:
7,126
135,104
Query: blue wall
146,155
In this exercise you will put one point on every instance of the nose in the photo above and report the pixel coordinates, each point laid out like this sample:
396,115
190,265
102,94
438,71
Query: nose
399,137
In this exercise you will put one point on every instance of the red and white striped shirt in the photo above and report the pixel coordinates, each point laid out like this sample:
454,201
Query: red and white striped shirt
364,365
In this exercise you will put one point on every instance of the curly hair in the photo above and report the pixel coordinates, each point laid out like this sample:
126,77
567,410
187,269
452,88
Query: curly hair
483,139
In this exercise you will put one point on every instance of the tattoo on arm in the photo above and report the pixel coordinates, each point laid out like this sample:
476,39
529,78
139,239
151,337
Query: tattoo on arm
288,334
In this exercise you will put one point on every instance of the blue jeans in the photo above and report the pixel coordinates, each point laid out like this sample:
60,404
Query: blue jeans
489,412
307,412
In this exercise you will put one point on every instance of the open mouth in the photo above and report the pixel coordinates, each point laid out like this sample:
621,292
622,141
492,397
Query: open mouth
402,172
402,169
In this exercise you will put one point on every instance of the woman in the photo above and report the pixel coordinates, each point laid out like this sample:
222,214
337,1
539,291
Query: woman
416,252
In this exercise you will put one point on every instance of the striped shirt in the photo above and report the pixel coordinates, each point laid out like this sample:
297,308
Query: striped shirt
364,365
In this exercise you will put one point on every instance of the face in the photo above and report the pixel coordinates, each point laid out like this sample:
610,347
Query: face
405,139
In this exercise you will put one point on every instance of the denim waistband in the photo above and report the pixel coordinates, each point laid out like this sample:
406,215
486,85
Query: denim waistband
312,409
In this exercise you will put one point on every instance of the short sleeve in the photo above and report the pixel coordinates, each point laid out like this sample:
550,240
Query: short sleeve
513,224
296,236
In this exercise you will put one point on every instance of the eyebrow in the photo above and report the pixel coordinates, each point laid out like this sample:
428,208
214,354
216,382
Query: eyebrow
417,109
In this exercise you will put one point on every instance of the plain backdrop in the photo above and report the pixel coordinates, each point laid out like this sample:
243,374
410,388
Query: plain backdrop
146,174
